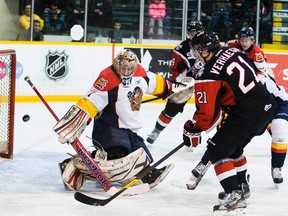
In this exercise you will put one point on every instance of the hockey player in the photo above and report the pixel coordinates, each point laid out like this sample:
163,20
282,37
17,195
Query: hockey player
245,43
279,124
184,61
113,103
228,81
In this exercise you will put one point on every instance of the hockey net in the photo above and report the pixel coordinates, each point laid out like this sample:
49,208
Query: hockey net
7,102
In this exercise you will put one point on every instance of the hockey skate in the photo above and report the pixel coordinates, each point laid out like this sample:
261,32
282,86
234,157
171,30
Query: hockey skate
155,176
233,204
276,175
244,187
153,136
198,170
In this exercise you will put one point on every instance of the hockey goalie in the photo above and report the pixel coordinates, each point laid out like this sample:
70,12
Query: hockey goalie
113,104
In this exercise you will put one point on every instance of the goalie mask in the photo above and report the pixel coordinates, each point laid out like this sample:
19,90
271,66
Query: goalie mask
125,65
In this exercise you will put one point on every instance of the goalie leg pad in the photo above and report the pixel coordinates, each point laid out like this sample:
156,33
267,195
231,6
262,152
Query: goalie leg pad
72,125
120,169
72,177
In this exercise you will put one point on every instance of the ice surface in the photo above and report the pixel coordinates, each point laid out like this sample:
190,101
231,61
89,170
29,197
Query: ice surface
30,184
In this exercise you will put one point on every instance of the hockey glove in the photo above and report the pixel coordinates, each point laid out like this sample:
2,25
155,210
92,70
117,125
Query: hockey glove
191,134
72,125
196,70
182,91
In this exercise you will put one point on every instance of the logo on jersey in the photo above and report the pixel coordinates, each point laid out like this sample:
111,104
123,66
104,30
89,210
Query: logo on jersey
56,65
259,57
101,83
135,98
267,107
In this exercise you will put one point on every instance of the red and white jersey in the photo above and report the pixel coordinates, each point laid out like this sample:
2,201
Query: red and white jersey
117,104
255,53
183,59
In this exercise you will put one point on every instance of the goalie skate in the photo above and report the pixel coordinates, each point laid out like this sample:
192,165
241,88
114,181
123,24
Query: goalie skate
155,176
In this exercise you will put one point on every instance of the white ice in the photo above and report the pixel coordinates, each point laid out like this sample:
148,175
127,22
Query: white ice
30,184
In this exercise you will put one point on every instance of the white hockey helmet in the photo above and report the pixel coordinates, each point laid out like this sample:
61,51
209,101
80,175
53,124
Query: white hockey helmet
125,64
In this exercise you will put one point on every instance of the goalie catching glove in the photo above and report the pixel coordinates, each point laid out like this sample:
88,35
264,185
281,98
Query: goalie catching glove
191,134
72,125
182,91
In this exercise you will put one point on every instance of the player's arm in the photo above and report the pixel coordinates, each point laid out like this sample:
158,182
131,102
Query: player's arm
180,66
165,89
207,100
74,122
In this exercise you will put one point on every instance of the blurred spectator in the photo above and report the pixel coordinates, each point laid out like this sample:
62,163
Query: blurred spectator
206,14
239,17
265,21
221,10
115,35
24,20
167,22
74,12
102,10
37,34
54,18
221,18
157,12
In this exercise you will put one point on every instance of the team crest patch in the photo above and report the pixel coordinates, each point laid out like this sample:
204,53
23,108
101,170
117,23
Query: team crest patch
56,65
101,83
135,98
259,57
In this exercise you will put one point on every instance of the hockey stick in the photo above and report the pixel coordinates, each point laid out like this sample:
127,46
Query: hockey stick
102,202
80,149
151,99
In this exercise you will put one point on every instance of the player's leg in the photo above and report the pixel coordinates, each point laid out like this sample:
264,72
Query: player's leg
278,148
164,119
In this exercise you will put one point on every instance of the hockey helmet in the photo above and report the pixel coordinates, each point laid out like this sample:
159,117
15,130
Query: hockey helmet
246,32
194,27
205,41
125,64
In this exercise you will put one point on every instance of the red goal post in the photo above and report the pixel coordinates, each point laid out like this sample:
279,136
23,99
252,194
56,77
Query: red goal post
7,102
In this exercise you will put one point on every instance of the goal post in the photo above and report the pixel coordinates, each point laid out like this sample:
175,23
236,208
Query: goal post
7,102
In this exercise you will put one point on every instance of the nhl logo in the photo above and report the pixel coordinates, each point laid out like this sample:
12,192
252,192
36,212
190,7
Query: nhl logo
56,65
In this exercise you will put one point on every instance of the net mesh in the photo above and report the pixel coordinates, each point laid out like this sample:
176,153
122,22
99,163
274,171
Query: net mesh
5,94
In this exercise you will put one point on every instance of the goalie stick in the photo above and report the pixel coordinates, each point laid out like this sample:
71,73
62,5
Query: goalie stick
193,183
100,177
151,99
102,202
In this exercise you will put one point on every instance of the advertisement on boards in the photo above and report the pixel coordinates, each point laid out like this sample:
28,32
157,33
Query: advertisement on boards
279,64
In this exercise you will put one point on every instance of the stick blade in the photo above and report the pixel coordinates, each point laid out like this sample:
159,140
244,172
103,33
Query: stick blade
80,197
131,191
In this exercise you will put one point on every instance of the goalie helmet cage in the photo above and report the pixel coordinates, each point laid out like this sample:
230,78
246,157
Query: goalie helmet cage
7,102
